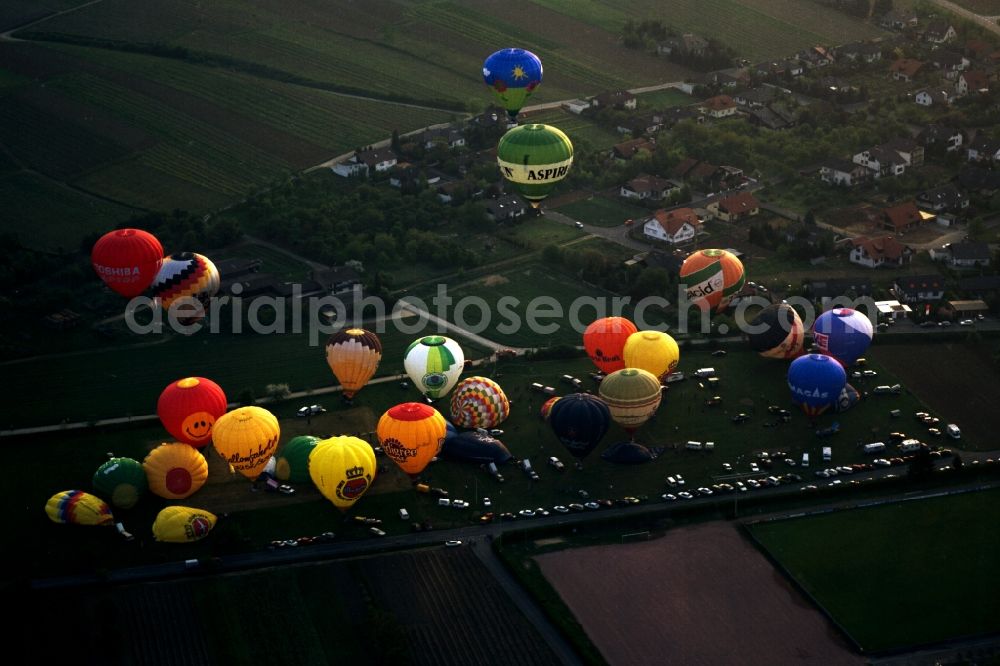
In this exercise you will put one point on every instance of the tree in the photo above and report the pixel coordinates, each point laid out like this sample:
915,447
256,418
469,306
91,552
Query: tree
276,392
957,461
246,398
394,143
922,463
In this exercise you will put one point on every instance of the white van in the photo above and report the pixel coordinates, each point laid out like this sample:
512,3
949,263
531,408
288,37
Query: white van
953,431
805,460
704,372
827,453
694,446
404,514
908,445
444,501
709,446
875,447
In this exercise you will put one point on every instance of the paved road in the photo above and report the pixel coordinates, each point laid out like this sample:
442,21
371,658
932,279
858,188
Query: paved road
987,22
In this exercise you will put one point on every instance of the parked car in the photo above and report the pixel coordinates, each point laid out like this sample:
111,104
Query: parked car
310,410
453,543
740,418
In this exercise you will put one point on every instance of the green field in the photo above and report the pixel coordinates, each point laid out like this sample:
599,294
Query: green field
664,99
899,575
577,128
603,212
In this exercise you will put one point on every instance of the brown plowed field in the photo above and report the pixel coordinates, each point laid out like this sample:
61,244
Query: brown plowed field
700,595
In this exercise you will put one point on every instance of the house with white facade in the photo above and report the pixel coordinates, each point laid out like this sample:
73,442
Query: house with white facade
879,251
672,226
644,187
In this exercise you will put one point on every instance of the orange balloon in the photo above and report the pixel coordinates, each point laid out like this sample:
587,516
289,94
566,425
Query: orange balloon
604,340
411,434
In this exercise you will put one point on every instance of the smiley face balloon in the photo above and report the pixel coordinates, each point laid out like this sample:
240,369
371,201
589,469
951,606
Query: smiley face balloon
189,408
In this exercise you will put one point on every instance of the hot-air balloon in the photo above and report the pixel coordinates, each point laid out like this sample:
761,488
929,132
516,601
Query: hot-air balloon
843,333
128,260
777,332
79,508
546,407
512,75
343,468
293,460
175,470
353,355
653,351
848,397
534,158
479,402
815,381
188,279
628,453
246,438
580,421
122,480
632,396
434,363
181,524
475,446
604,339
189,407
411,434
711,278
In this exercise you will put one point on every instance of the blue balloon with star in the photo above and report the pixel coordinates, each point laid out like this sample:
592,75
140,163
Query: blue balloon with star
512,74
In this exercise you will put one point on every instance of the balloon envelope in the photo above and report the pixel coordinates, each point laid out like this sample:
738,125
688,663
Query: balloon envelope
512,74
353,356
189,408
434,363
411,434
547,407
815,381
175,471
475,447
777,332
604,339
246,438
123,480
843,333
343,468
848,397
627,453
293,462
711,278
79,508
181,524
632,396
127,260
534,158
479,402
579,421
652,351
188,279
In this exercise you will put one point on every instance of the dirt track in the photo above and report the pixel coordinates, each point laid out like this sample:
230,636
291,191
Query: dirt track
700,595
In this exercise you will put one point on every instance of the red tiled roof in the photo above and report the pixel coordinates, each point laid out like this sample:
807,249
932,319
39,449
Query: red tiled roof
884,247
903,215
672,221
719,103
741,202
906,66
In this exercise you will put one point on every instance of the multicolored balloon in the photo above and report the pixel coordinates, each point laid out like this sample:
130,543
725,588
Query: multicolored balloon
534,158
123,480
632,395
79,508
479,402
512,74
711,278
816,381
189,408
293,461
343,468
246,438
843,333
604,339
653,351
546,408
848,397
777,332
175,470
411,434
182,524
353,355
434,363
188,279
127,260
579,421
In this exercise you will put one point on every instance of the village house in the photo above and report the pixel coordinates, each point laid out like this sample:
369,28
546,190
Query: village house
867,52
879,251
506,207
619,99
944,199
964,309
899,19
756,98
644,187
576,106
950,63
674,226
939,31
903,217
905,69
970,254
938,96
918,288
452,138
984,149
934,136
838,171
729,78
687,44
629,149
719,106
972,81
735,208
649,123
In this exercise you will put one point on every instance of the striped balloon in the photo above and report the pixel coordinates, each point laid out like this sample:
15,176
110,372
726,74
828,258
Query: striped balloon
434,363
353,356
78,507
711,278
534,158
632,395
479,402
188,279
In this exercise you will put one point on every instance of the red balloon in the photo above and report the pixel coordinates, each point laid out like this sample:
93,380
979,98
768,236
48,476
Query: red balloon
604,341
188,408
127,260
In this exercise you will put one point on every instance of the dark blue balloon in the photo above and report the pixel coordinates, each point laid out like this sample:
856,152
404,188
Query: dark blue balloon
450,430
816,381
843,333
579,420
627,453
475,447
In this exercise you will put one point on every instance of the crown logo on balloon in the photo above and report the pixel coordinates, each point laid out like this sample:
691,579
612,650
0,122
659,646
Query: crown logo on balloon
355,472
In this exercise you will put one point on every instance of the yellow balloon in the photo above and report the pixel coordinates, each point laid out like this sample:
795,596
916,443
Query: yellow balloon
175,470
652,351
181,524
246,438
78,507
343,468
